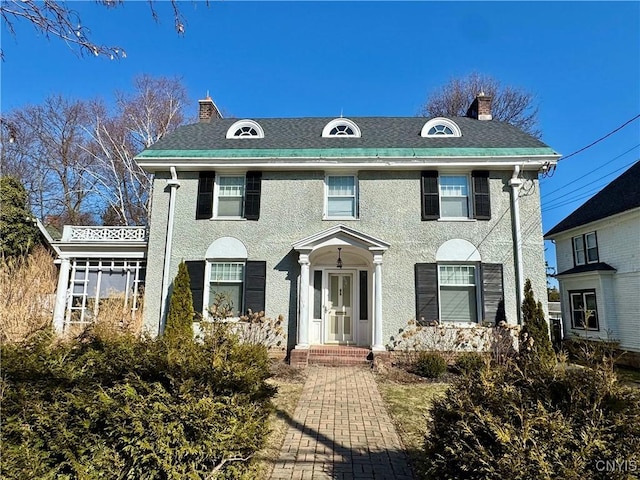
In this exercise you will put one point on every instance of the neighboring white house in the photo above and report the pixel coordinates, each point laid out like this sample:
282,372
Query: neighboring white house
598,260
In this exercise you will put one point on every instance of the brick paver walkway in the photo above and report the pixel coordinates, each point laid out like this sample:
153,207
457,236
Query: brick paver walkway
341,430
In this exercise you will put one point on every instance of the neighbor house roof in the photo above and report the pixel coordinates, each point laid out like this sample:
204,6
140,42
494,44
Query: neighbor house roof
620,195
381,136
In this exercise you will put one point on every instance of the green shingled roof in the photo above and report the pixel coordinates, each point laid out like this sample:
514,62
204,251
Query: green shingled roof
381,136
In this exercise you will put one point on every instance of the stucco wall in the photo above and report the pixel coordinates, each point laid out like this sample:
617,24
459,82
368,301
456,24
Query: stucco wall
292,207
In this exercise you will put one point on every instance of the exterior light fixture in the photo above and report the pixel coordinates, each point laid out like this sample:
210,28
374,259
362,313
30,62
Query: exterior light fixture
339,262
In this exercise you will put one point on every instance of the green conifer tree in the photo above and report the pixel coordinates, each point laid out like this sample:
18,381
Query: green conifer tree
535,344
178,328
18,232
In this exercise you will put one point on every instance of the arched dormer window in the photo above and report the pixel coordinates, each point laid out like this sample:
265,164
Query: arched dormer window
341,127
440,127
245,129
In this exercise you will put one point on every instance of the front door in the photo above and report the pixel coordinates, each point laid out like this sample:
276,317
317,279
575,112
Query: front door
340,308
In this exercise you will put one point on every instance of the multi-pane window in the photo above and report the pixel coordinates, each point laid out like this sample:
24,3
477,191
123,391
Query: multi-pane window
584,310
458,297
226,281
440,129
342,198
454,196
230,196
585,249
246,131
342,130
94,280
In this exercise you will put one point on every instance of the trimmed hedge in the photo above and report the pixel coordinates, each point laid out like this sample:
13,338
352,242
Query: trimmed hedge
128,408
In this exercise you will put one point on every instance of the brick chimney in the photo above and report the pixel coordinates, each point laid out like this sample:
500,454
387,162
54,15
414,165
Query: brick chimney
480,109
208,110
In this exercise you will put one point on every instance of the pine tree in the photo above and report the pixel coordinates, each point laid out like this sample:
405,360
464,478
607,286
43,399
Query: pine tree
178,328
18,233
535,344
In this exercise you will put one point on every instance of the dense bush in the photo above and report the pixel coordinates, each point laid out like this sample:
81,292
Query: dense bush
510,423
535,342
179,327
430,364
469,363
127,408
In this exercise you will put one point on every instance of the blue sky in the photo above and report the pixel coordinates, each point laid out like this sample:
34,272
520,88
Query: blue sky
288,59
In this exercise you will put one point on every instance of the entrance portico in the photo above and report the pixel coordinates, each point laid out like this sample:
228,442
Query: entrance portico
340,302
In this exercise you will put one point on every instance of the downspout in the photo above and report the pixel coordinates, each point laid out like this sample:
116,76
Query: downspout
173,183
515,182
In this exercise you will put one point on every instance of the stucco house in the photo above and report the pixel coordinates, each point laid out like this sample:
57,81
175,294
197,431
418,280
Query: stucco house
598,260
348,227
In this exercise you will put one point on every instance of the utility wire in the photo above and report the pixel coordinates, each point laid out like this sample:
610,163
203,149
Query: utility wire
553,202
589,173
600,139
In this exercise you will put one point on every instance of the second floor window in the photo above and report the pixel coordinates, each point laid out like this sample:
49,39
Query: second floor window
454,196
585,249
230,196
341,196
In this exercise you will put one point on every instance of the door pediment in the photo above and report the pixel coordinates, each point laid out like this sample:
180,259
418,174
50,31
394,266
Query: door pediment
341,235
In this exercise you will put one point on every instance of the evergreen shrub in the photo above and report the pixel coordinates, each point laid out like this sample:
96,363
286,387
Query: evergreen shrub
510,423
469,363
430,364
122,407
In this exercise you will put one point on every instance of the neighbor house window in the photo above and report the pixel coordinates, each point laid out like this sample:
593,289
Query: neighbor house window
230,196
458,293
226,282
584,310
585,249
341,196
454,196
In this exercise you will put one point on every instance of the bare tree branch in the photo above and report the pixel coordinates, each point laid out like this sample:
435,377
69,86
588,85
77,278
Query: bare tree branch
509,104
56,19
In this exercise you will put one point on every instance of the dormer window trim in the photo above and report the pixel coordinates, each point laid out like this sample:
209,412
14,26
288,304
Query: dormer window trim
245,129
440,127
341,127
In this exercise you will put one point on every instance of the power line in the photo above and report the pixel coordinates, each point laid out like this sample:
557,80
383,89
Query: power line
554,205
600,139
590,172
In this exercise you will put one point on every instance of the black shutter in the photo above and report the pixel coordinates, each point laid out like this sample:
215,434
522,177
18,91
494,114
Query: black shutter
364,296
493,293
429,195
204,205
481,197
252,196
254,291
196,282
426,293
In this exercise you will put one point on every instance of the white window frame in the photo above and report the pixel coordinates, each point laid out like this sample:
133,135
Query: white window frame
338,122
231,133
131,267
476,286
583,294
579,245
206,300
467,178
216,195
356,196
440,121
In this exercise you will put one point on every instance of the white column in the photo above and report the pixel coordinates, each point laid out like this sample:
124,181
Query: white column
303,302
61,296
377,302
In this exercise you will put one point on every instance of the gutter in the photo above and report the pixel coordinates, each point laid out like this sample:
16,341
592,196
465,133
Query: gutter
173,183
